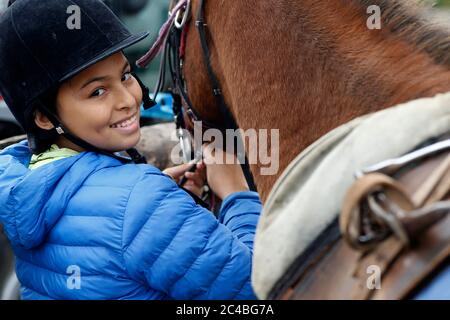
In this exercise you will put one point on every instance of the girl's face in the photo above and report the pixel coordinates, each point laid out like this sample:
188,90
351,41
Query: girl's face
101,105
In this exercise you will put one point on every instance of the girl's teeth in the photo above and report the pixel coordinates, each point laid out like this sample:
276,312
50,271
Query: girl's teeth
125,123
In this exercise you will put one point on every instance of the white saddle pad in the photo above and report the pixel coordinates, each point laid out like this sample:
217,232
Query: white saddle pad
308,195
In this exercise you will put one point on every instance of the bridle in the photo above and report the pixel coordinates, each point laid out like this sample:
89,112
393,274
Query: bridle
172,42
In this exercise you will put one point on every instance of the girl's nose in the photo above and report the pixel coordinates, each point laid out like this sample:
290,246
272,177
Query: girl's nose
124,98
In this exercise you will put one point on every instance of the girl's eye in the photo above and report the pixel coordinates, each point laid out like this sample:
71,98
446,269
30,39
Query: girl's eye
126,76
98,93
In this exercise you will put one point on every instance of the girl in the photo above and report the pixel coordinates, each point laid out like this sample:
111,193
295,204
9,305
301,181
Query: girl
85,223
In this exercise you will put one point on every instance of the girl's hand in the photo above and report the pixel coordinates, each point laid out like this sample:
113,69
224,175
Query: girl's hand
223,179
195,180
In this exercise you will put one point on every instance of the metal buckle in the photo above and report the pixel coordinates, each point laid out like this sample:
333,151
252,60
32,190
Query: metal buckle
390,166
384,216
186,14
185,144
389,214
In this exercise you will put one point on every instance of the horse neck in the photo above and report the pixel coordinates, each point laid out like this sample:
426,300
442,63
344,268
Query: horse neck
305,67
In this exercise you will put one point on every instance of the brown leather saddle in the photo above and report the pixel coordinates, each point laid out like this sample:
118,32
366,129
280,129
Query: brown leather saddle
393,233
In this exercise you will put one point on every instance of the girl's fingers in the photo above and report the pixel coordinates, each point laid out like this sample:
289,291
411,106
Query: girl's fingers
199,182
201,168
177,172
198,178
193,188
194,175
189,183
195,178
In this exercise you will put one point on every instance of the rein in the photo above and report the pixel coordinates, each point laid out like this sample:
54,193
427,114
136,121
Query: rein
172,42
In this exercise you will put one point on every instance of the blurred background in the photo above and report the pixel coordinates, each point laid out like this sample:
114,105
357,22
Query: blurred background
140,15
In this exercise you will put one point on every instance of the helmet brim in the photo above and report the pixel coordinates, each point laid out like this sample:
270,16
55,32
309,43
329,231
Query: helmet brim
129,41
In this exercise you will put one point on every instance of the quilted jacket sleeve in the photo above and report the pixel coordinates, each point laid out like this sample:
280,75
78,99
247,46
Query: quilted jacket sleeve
174,246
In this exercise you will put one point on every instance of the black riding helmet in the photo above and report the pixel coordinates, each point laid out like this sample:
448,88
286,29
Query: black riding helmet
40,49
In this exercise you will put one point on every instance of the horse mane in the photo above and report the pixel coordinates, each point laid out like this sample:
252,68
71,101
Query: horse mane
407,20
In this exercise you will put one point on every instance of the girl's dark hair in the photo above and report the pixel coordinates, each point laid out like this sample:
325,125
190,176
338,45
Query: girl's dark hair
40,139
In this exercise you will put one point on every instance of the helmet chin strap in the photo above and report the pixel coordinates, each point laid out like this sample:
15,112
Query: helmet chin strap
135,156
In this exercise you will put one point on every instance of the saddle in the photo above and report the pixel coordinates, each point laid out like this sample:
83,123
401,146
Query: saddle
395,233
325,235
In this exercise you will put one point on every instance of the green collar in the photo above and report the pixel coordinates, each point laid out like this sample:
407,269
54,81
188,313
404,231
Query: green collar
50,155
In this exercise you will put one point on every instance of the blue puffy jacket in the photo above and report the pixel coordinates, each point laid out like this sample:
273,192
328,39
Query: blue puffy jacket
90,227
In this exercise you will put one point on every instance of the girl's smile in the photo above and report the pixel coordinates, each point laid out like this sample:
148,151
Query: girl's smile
127,125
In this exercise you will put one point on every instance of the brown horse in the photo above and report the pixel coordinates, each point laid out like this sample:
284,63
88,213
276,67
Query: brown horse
305,67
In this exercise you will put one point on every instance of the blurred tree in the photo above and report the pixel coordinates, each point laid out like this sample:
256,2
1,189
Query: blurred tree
443,3
142,15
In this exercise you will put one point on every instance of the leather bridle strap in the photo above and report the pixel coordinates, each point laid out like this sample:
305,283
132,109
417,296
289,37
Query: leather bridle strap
230,122
216,89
